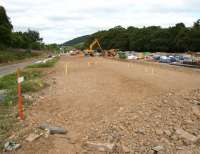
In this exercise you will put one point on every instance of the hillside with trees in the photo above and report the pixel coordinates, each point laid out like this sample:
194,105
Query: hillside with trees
76,41
178,38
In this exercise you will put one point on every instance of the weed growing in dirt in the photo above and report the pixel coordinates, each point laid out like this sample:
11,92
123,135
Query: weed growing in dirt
32,83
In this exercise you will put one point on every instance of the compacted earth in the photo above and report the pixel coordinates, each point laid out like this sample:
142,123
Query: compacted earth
110,106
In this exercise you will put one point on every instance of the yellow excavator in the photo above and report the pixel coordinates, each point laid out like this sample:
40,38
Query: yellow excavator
90,51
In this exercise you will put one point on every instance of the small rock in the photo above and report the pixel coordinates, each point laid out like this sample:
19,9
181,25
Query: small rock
33,137
165,101
158,148
125,149
184,151
46,134
52,129
188,121
28,97
167,132
189,138
159,132
101,147
196,102
141,131
11,146
120,109
151,152
196,110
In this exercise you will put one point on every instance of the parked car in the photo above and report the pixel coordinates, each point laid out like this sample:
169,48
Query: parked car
179,58
132,57
172,59
189,61
156,57
165,59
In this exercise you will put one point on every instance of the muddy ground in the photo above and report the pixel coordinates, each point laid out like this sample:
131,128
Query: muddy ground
127,107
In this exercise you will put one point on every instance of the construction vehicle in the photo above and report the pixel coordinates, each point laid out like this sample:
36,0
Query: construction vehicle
90,51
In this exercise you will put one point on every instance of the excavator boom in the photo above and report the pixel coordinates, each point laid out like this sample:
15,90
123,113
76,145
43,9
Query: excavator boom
90,51
93,43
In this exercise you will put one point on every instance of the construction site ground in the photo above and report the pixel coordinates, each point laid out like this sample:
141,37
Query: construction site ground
135,107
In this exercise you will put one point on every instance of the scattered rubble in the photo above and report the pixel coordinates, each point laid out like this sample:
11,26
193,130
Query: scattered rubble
32,137
102,147
169,124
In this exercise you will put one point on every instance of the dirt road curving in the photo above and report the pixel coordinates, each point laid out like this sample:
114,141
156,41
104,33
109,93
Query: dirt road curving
11,68
105,101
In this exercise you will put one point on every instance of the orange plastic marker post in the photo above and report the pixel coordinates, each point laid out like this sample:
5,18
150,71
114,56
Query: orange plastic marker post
20,100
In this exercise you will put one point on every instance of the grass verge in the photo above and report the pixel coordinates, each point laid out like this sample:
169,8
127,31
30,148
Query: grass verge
8,107
8,83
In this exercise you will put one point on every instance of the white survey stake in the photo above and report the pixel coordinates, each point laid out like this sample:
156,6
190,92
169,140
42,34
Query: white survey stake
20,79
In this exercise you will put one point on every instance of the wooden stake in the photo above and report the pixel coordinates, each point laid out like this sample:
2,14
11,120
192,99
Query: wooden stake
20,99
66,69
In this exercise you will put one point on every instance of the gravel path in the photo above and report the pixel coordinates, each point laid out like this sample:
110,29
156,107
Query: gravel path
11,68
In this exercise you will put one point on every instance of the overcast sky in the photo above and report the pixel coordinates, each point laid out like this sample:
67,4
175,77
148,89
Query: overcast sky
61,20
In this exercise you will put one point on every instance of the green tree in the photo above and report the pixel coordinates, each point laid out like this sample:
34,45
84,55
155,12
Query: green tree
194,37
5,28
27,40
178,38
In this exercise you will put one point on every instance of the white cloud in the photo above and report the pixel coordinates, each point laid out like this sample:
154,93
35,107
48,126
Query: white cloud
61,20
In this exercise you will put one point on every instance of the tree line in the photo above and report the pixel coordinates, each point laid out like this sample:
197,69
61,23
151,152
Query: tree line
178,38
25,40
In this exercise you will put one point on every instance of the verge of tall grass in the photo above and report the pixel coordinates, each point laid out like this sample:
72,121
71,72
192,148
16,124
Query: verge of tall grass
10,56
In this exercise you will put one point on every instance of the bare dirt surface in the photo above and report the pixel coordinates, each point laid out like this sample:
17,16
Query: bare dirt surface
110,106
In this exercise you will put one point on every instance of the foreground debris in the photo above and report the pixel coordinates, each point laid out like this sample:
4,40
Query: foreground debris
53,129
102,147
187,137
32,137
11,146
158,148
2,95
